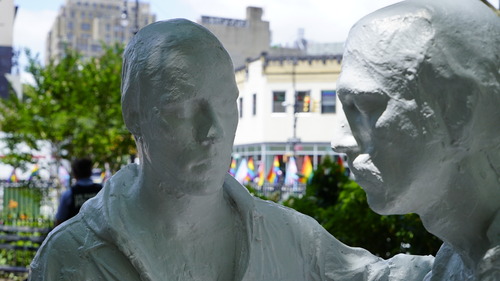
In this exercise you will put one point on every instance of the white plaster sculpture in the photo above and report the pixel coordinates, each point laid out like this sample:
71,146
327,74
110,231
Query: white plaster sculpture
420,87
179,215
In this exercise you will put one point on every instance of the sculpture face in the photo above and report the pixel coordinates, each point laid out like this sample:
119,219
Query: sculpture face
397,150
189,132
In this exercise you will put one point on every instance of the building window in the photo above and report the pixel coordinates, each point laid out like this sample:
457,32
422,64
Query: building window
81,47
96,48
328,101
241,107
254,104
70,25
303,102
85,26
278,100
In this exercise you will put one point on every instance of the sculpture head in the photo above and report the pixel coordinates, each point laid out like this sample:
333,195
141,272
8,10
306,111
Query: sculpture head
420,87
179,101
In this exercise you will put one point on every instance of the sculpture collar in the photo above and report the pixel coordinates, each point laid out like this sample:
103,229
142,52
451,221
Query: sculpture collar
113,223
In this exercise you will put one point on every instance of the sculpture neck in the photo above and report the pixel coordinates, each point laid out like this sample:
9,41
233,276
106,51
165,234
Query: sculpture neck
466,218
168,205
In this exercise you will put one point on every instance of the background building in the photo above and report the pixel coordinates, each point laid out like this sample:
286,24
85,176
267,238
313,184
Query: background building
7,14
241,38
270,87
84,25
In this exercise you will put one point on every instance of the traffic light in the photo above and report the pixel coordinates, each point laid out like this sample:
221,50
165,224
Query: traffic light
307,102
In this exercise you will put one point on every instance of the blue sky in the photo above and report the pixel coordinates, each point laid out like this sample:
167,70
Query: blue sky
322,20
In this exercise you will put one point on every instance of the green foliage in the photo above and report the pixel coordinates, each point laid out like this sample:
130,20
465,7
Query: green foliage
75,106
275,197
340,206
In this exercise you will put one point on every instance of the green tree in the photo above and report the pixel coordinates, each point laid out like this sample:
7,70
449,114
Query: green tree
74,106
340,206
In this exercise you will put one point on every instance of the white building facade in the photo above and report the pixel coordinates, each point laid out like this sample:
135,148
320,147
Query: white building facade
269,89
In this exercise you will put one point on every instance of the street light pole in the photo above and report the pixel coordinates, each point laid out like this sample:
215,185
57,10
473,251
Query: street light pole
294,140
136,27
124,16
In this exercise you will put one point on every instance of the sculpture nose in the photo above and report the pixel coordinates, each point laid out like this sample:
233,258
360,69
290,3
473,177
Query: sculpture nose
207,125
343,140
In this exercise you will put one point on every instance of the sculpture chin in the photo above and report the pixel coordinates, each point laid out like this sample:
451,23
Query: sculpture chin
379,195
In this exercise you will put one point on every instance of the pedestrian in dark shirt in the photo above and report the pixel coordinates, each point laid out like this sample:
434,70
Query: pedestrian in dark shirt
84,189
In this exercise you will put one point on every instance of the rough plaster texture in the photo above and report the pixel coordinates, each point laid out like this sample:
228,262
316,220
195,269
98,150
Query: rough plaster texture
420,87
179,215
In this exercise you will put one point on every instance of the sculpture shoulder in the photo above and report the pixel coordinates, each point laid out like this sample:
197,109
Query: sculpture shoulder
327,257
90,257
290,220
449,266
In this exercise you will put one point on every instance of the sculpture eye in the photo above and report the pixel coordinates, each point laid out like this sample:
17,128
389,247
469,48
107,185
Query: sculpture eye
369,103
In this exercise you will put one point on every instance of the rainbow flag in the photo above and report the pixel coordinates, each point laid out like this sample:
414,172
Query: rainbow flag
307,170
242,172
291,172
340,163
272,176
13,177
34,172
251,170
261,175
232,168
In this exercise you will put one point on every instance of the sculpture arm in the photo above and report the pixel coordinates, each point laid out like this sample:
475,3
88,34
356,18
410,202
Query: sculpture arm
342,262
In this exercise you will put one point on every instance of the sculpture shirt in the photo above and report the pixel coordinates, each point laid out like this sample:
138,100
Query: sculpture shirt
278,244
